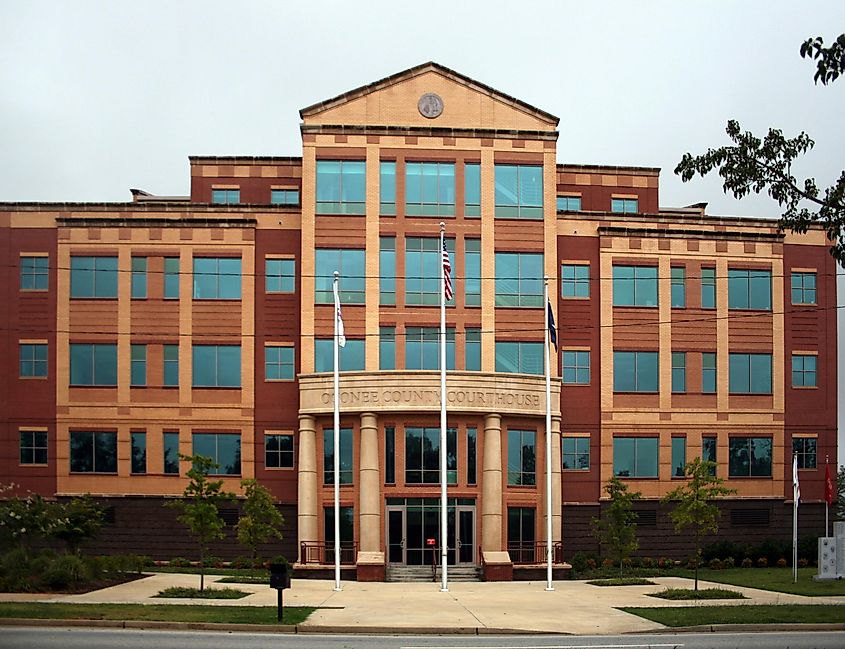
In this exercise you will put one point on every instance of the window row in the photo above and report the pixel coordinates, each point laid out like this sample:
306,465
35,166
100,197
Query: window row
231,196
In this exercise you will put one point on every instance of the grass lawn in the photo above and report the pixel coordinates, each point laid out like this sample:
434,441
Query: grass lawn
701,593
776,579
622,581
244,579
233,572
157,612
207,593
741,614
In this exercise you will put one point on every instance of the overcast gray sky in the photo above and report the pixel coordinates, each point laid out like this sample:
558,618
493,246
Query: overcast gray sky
100,96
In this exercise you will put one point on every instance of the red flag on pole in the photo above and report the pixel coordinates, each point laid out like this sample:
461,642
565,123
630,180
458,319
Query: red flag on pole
828,485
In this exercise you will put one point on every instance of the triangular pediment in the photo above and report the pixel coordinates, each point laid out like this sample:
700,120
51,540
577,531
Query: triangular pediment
395,101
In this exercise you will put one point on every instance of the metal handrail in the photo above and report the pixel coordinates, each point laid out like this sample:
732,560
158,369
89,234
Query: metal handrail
313,552
534,552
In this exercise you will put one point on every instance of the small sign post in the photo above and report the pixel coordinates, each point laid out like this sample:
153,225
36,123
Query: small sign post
432,543
279,579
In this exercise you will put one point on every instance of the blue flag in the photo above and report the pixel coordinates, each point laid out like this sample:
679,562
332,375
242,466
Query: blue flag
552,330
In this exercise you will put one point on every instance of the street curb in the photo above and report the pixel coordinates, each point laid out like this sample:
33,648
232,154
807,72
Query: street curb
744,628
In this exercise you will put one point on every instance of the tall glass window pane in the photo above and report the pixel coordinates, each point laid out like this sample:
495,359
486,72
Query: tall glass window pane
429,189
279,275
575,453
34,273
387,348
575,280
138,368
803,371
679,456
708,288
679,372
351,357
171,453
635,286
521,458
387,188
345,456
749,289
424,269
171,278
389,455
352,279
472,265
679,287
422,348
387,270
217,278
139,277
472,189
139,452
708,452
341,187
223,448
171,365
93,277
519,191
472,350
519,357
708,372
472,452
635,372
519,279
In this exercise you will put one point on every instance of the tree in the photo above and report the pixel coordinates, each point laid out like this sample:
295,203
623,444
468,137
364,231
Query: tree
200,505
617,529
696,508
260,520
24,519
755,165
76,521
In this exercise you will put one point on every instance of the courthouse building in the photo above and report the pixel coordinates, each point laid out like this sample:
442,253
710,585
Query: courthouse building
203,324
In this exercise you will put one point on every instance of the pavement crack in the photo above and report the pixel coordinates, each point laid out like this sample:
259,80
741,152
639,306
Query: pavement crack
473,615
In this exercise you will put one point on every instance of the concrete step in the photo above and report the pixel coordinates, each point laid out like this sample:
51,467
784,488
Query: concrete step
423,573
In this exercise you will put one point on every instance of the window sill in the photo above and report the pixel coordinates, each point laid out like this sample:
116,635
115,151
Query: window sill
746,309
524,487
637,477
576,470
139,299
33,464
636,392
749,477
279,292
108,387
33,378
635,306
279,468
279,380
110,473
34,290
576,385
216,387
805,387
749,394
217,299
575,298
75,298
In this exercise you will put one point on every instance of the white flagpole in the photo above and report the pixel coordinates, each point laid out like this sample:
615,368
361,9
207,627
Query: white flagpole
826,506
444,537
795,497
336,438
548,341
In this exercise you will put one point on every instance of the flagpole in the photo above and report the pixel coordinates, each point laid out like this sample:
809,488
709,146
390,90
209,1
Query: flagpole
826,478
795,496
547,341
336,437
444,537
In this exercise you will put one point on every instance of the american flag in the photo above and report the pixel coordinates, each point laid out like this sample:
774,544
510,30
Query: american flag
447,273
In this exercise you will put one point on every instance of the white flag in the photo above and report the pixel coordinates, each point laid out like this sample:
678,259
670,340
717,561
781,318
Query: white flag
796,488
341,337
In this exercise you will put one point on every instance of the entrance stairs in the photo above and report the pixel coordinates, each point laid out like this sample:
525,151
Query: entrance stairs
401,573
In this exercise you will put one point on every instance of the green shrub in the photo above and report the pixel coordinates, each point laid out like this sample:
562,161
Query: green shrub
214,562
279,559
803,563
65,572
664,562
607,563
241,562
579,562
179,562
592,564
729,563
647,562
715,564
747,562
206,593
781,563
762,562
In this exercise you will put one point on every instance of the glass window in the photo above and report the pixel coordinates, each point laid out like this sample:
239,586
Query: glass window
346,533
171,278
472,189
803,288
226,196
635,286
139,452
749,289
93,277
472,349
33,360
171,365
422,348
679,287
576,367
568,203
387,270
93,364
750,457
635,457
521,458
679,457
472,267
424,269
387,348
708,288
624,205
519,357
472,456
387,188
575,280
171,453
138,368
280,275
278,363
351,357
284,196
345,456
429,189
521,537
519,279
708,452
679,371
93,452
139,277
341,187
803,371
575,453
278,451
217,366
750,374
217,278
351,281
519,191
805,448
35,273
708,372
224,449
422,455
635,372
389,455
33,446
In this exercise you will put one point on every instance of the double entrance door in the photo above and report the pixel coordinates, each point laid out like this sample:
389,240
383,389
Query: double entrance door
412,523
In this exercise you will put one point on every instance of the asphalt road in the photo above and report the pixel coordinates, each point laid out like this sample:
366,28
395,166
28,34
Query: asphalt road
58,638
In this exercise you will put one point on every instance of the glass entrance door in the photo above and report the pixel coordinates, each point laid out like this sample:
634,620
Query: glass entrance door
466,534
411,525
395,535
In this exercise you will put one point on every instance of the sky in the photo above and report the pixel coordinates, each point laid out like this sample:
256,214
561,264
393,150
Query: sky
100,96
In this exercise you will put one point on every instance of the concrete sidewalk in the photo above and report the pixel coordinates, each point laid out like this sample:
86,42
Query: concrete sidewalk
574,607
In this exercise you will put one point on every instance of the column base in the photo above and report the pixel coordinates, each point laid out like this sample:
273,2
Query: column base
497,566
370,566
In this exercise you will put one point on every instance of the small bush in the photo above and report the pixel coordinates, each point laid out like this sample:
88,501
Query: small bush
607,563
208,593
692,563
591,563
179,562
715,564
627,563
781,563
747,562
647,562
242,562
213,562
664,562
66,571
803,563
729,563
621,581
704,593
762,562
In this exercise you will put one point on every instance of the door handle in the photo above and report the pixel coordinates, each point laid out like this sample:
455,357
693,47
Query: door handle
402,544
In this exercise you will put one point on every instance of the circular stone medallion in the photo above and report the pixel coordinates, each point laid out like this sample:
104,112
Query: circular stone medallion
430,105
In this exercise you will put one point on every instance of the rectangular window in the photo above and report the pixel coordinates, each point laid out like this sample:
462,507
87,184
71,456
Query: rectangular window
749,289
635,372
708,452
575,281
521,458
750,374
387,270
171,453
576,367
679,371
351,357
171,366
284,196
708,288
93,277
217,278
278,451
387,188
35,273
387,348
226,196
521,534
679,287
472,349
575,453
33,446
224,449
33,360
624,205
568,203
708,372
389,455
803,288
138,365
805,448
429,189
750,457
341,187
472,456
93,364
519,191
803,371
280,275
679,457
345,476
278,363
422,348
139,277
635,457
519,279
519,357
424,269
346,533
93,452
139,452
217,366
635,286
422,455
472,271
171,278
351,280
472,189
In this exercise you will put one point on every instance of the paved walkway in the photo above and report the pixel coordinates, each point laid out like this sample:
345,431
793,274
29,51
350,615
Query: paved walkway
574,607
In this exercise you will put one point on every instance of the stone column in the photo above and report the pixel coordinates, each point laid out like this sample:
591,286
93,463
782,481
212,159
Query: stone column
491,485
557,494
369,481
307,521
